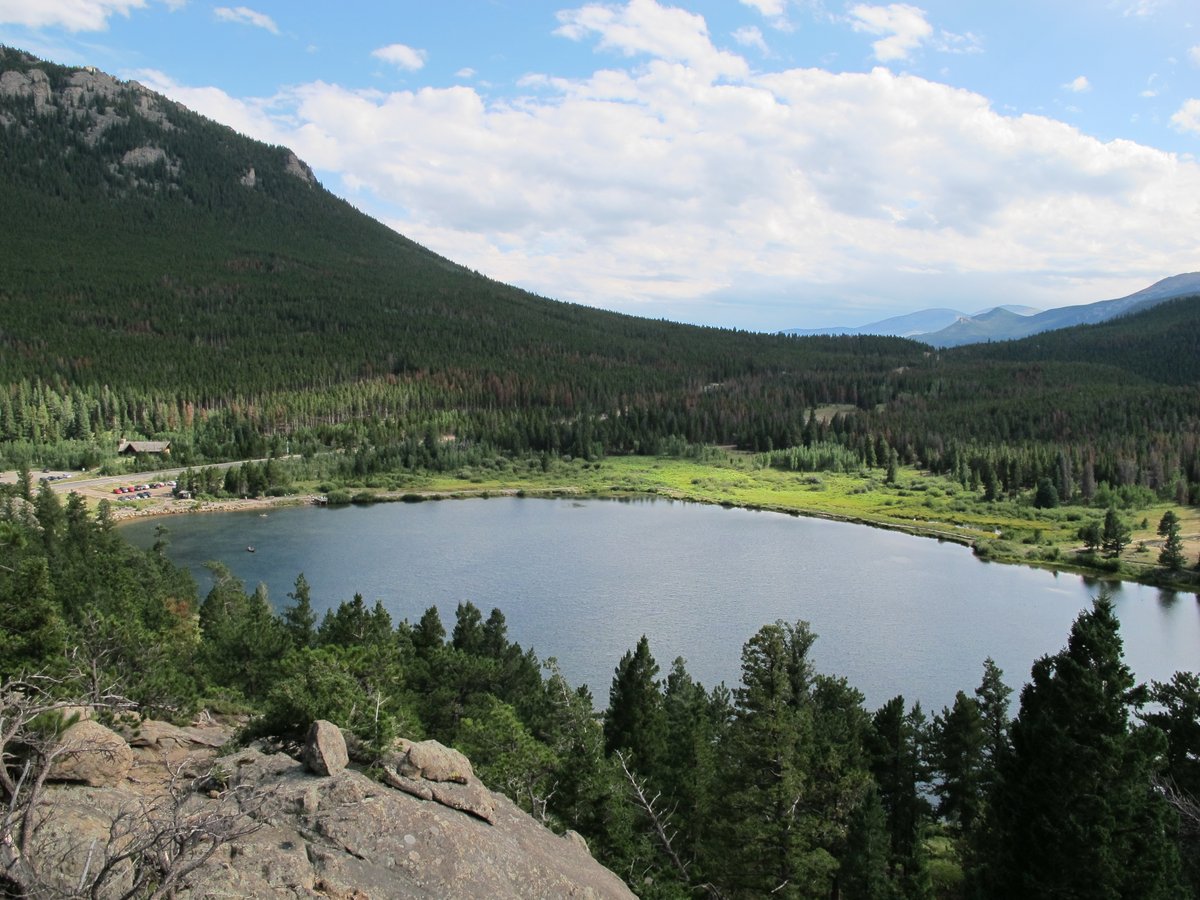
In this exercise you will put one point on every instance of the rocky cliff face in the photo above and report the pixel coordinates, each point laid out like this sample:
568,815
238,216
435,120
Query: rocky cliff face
133,129
297,834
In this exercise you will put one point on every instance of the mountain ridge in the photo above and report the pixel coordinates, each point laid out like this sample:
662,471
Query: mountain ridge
979,328
942,327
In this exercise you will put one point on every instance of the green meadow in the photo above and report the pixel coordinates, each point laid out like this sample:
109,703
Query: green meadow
1010,530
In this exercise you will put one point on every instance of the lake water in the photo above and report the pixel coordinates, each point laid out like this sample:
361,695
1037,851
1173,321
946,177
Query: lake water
583,580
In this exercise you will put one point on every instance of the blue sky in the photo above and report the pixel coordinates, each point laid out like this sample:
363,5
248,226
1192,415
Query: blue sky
763,164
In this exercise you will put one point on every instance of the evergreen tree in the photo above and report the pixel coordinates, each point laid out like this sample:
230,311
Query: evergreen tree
1171,555
495,635
1091,535
779,824
429,635
957,748
1075,813
1115,536
688,771
299,618
865,870
32,632
244,642
634,721
895,745
992,696
1046,495
1177,714
468,634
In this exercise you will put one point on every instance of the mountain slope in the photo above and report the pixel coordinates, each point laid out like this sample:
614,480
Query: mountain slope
911,325
1160,342
989,327
908,325
170,272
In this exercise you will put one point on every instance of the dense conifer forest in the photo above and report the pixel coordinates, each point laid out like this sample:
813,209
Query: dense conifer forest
163,277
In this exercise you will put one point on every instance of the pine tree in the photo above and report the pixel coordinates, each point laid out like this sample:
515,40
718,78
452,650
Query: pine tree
863,874
1115,536
1177,714
634,721
1075,813
429,635
1171,556
957,746
299,618
992,696
688,773
895,744
792,787
468,629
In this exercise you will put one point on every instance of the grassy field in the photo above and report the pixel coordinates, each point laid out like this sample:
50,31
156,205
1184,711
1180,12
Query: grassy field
1006,531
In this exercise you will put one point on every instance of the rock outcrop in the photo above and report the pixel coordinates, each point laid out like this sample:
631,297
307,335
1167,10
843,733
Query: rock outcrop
341,835
95,102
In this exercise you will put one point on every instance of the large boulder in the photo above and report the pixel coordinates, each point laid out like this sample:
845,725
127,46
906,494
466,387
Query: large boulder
325,749
93,754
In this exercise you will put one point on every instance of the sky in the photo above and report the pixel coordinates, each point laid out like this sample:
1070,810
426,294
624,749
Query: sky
757,164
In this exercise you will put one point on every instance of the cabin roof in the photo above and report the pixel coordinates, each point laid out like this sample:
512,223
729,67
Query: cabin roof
144,447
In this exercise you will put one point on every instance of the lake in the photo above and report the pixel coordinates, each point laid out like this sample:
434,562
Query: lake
582,580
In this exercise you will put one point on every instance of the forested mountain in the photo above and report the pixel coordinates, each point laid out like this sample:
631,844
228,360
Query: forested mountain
163,277
150,284
1161,344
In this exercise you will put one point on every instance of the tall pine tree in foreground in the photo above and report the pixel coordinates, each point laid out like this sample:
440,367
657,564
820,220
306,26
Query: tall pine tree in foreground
1075,813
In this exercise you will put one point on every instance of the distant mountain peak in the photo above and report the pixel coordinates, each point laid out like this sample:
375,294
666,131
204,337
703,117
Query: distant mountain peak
1000,324
951,328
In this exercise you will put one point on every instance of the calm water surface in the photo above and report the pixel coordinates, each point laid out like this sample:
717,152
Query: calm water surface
583,580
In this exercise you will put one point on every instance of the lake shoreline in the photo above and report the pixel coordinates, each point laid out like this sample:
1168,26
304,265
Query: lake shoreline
185,507
582,581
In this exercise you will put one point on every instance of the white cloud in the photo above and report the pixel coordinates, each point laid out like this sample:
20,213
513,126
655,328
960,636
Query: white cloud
774,11
1078,85
1194,55
401,56
1141,7
903,27
74,15
1188,117
948,42
243,15
749,36
644,28
250,117
468,72
669,185
768,8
